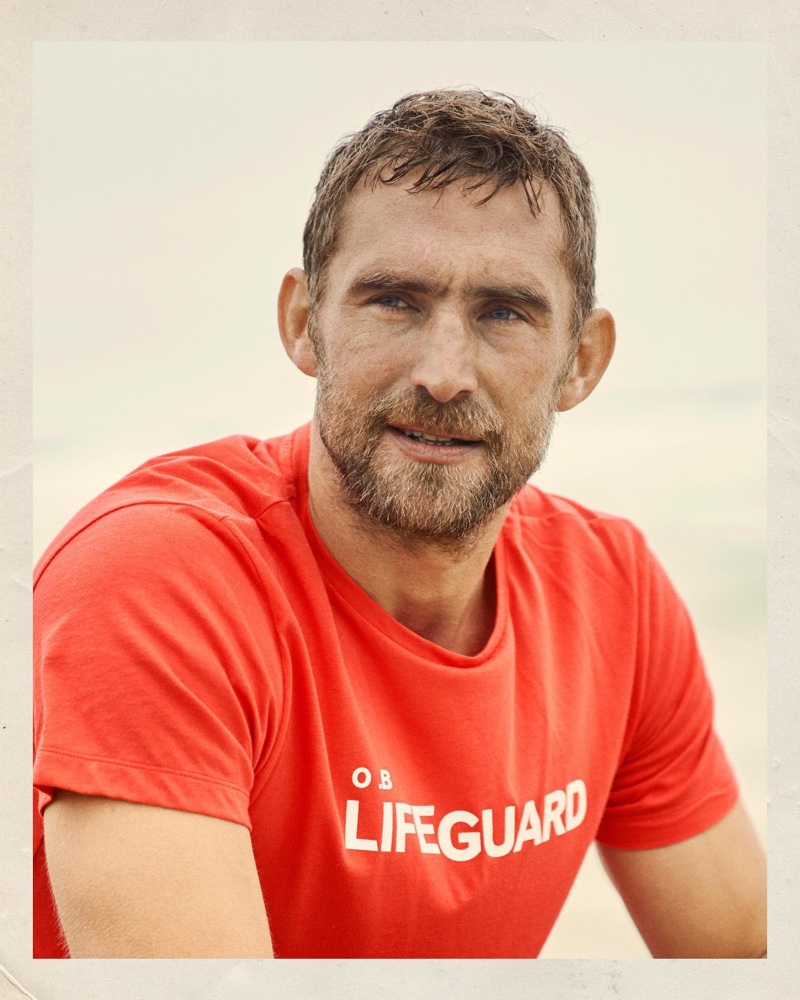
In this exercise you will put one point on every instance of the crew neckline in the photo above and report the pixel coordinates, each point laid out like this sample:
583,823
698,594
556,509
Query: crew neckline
365,606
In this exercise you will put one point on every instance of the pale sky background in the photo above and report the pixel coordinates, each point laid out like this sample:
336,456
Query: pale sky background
171,184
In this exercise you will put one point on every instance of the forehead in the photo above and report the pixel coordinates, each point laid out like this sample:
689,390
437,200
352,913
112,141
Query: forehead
450,232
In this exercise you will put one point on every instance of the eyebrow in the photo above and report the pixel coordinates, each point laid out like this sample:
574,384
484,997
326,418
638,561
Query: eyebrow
533,298
387,281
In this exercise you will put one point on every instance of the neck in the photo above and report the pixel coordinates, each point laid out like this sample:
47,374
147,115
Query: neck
444,592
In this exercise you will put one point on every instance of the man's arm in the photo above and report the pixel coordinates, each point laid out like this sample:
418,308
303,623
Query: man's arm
705,897
135,881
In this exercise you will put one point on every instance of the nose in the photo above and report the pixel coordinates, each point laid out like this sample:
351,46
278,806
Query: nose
446,360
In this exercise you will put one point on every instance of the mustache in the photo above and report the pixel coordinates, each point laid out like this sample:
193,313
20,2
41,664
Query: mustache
462,418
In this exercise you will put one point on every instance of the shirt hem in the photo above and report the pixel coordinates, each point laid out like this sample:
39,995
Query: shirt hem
143,784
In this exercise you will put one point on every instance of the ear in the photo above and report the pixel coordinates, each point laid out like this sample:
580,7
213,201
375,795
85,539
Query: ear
595,347
293,308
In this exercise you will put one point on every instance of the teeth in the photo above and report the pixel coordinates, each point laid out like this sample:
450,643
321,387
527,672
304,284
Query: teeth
429,438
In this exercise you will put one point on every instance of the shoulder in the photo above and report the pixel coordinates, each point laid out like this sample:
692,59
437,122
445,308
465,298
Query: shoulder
178,500
533,504
562,529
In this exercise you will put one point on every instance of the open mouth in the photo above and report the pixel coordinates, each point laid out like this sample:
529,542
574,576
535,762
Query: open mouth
435,439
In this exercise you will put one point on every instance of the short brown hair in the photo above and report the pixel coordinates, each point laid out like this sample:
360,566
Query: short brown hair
455,135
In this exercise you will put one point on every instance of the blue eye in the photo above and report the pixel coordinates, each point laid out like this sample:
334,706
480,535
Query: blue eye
503,313
391,302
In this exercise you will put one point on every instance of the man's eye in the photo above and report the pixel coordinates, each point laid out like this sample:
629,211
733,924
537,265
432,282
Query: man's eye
502,313
391,302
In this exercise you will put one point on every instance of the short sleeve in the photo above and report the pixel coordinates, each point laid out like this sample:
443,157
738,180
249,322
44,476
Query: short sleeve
157,677
673,780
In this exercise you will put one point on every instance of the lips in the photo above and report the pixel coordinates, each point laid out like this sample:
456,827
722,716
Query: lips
435,436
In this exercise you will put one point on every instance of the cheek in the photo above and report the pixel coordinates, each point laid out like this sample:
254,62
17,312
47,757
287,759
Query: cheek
368,367
519,381
353,379
532,394
347,340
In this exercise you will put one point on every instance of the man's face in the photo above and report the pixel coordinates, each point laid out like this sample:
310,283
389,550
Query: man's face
442,339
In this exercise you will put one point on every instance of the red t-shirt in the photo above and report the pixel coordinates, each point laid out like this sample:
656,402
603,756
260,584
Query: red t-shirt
198,648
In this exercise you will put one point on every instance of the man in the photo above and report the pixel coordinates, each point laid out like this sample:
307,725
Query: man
360,691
